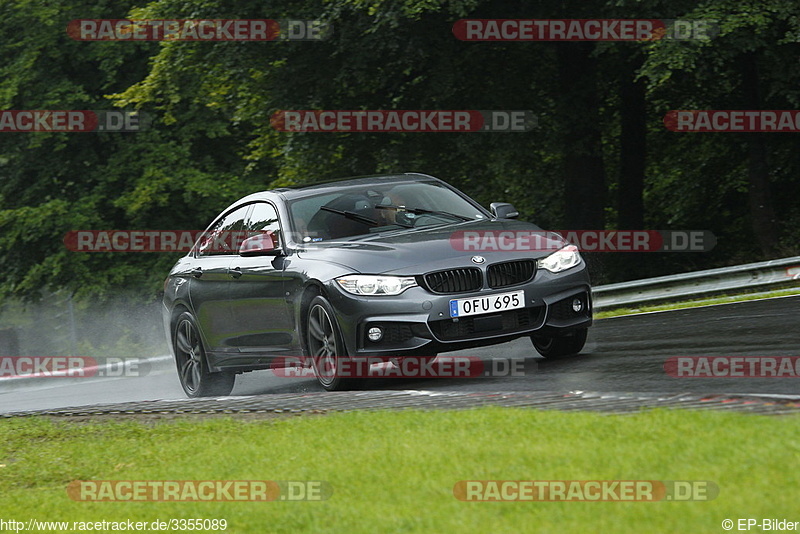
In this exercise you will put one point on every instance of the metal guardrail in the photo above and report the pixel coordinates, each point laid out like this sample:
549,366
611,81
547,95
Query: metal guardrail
785,271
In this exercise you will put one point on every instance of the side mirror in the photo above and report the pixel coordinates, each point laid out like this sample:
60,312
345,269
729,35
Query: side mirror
504,210
265,244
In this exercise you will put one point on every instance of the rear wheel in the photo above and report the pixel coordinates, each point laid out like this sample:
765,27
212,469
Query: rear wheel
190,358
560,346
325,346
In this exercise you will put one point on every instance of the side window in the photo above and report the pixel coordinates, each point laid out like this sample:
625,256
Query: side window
264,219
221,239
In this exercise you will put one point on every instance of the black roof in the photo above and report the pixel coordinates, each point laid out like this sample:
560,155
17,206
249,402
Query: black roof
320,187
303,190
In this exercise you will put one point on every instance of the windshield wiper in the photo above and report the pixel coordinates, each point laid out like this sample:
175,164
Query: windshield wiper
422,211
351,215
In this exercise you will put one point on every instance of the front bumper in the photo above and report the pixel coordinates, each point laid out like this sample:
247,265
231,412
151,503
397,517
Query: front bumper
418,322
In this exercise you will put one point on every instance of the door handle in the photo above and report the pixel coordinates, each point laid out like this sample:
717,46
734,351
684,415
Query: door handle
197,272
236,272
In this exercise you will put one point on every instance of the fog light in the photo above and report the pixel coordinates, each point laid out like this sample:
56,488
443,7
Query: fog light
577,305
375,334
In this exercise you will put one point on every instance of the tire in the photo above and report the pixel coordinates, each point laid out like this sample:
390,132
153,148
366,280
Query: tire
560,346
190,359
325,346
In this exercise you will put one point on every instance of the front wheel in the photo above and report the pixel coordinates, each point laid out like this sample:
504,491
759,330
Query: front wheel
325,346
560,346
190,358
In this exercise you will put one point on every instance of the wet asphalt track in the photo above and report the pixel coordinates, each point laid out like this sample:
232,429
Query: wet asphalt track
624,354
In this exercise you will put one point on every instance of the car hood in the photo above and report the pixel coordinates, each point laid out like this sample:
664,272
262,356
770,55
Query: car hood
412,252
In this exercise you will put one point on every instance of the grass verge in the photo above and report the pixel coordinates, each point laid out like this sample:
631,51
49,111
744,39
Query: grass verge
725,299
395,471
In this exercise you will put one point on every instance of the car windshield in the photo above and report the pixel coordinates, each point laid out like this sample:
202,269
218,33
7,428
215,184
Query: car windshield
372,208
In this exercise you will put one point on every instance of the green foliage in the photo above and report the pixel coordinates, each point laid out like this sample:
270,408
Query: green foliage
211,140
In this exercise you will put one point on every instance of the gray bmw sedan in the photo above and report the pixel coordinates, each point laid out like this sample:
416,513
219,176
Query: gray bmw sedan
373,267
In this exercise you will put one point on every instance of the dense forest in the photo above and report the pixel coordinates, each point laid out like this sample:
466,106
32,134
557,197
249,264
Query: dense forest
599,157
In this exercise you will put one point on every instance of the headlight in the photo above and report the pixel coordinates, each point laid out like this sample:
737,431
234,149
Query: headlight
562,260
367,284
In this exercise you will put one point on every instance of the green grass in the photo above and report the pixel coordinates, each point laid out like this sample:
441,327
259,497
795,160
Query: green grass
395,471
725,299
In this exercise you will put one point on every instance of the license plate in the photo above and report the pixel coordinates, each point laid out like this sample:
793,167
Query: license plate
488,304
